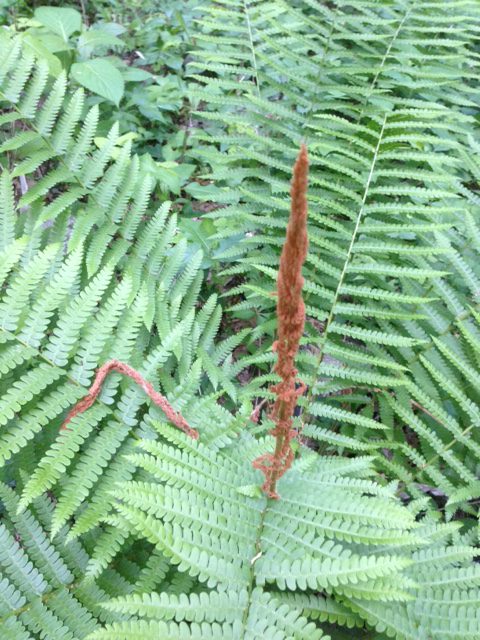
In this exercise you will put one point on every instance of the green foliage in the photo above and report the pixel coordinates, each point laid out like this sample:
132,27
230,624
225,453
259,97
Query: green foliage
388,283
57,35
133,65
333,531
101,77
43,584
121,527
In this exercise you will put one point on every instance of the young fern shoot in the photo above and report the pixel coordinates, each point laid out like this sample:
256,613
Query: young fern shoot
291,321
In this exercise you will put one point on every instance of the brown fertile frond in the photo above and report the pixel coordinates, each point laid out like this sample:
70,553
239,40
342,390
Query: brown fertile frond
291,321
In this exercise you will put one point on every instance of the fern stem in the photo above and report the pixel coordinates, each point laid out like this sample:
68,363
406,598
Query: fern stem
382,63
252,46
271,489
446,448
251,584
321,65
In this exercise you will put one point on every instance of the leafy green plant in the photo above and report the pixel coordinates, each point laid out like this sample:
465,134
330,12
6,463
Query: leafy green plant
334,529
59,37
140,92
81,241
43,584
388,130
120,526
334,543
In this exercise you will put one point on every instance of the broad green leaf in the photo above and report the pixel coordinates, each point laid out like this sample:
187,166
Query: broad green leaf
134,74
60,20
93,38
173,175
54,43
100,77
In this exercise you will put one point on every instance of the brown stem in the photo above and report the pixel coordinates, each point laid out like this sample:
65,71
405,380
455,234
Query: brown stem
277,456
120,367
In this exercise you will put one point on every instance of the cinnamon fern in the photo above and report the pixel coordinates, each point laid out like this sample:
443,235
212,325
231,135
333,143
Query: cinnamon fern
385,95
121,527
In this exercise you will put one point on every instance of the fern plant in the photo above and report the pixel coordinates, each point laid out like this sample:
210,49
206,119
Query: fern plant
360,215
119,526
43,586
428,438
333,531
388,128
105,277
51,348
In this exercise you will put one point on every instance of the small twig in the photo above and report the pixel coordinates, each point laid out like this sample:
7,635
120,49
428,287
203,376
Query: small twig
23,185
115,365
255,415
83,7
23,190
416,404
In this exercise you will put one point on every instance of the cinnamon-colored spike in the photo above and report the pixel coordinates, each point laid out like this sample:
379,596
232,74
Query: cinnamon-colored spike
291,321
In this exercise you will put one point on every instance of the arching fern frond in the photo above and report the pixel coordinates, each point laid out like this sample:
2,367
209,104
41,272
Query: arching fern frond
195,511
387,130
43,588
59,326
